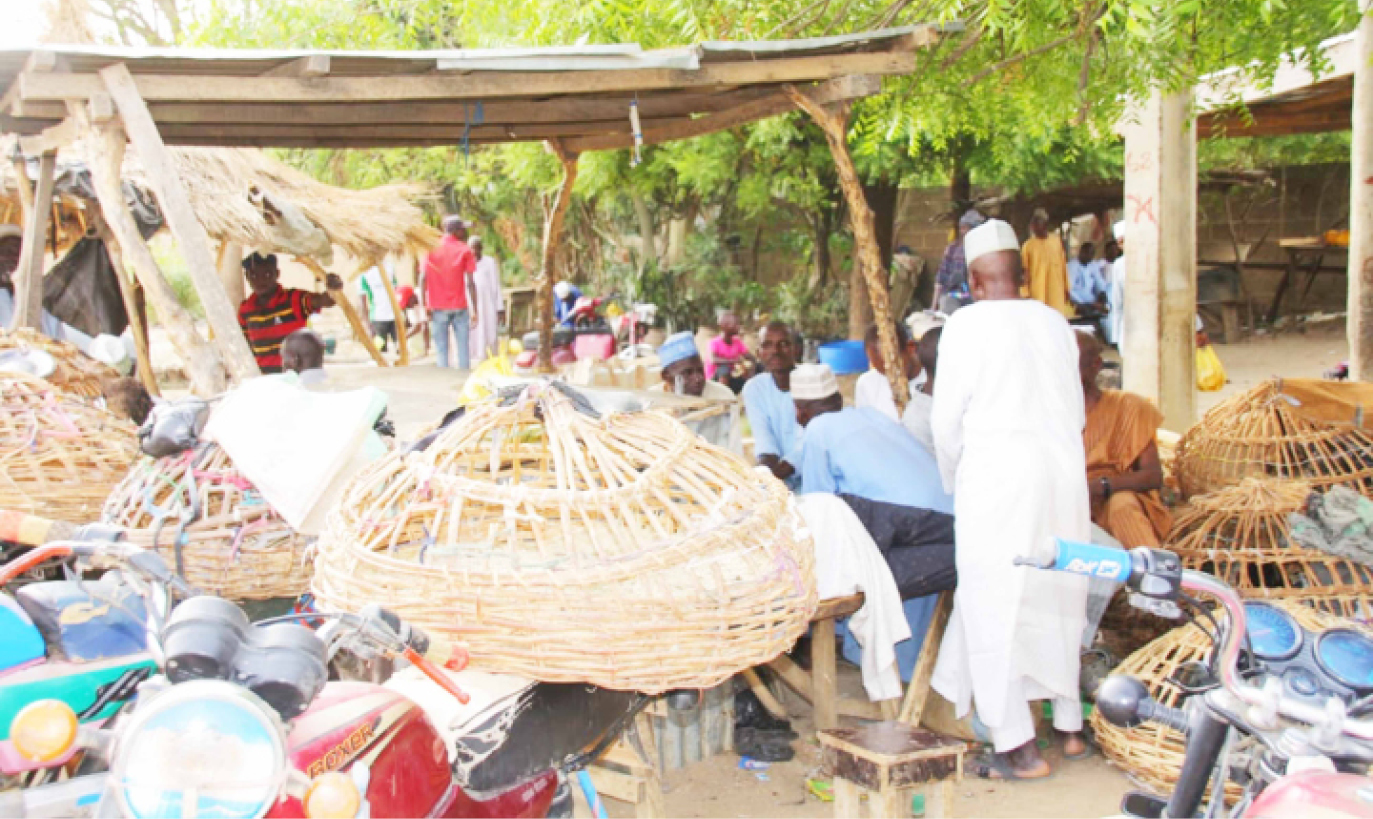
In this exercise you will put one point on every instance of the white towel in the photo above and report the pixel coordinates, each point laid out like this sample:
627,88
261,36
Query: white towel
847,561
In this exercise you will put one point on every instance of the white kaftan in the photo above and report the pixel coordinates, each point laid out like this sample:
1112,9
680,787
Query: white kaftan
1007,422
485,336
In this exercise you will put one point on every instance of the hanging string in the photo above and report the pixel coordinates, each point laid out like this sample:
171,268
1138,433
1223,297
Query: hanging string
637,130
470,117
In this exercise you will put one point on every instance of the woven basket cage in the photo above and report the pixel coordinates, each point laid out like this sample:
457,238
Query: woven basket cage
1296,429
75,372
621,551
59,455
1152,754
233,544
1242,535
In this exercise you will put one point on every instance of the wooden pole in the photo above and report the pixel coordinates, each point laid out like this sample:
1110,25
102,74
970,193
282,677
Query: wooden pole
126,292
28,284
1360,299
21,178
1159,349
552,233
105,152
230,266
176,209
362,331
834,121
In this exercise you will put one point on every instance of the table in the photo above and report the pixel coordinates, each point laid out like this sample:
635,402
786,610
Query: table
1305,254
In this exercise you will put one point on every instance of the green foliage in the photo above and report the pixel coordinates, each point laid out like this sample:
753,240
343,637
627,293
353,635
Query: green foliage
1272,152
692,292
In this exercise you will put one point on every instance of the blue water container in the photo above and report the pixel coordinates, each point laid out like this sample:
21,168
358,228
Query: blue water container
844,357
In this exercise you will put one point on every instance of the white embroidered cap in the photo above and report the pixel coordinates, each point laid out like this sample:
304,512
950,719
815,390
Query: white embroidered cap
990,237
812,382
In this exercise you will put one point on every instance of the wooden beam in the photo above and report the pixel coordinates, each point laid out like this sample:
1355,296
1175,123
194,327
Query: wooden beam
28,284
838,90
51,140
552,234
474,86
422,131
142,352
360,328
102,108
190,235
314,65
833,120
104,153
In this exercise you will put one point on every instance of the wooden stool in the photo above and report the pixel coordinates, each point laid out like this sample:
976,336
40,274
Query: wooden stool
891,762
628,771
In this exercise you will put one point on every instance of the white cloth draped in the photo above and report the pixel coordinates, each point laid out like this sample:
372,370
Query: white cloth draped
485,336
1007,422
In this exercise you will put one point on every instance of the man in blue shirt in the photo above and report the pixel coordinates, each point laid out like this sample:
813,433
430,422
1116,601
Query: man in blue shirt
771,412
565,295
1086,284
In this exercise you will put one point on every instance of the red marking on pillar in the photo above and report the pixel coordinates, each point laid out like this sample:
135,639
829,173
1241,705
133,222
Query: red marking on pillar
1144,207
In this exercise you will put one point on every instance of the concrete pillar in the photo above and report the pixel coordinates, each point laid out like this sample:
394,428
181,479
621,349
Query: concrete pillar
1360,306
1159,348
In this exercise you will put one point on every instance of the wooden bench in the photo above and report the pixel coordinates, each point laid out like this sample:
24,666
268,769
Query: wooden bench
890,762
819,687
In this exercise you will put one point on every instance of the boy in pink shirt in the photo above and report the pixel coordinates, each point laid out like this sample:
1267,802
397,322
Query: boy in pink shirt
727,352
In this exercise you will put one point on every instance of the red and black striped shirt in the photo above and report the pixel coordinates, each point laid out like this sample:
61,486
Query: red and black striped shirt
268,320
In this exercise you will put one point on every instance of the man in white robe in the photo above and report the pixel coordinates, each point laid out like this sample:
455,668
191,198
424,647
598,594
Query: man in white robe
486,279
1007,422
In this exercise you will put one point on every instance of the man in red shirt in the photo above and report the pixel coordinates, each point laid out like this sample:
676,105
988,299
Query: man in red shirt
272,312
448,291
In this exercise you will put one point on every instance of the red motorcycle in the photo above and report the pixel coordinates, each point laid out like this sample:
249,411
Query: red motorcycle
1280,711
244,720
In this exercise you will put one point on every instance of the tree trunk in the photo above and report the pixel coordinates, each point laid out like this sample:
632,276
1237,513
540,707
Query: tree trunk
552,233
961,185
860,304
649,248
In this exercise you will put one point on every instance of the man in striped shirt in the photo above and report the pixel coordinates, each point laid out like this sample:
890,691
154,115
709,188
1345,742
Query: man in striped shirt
273,312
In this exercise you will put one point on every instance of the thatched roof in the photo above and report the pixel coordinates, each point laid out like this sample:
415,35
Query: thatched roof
243,195
226,187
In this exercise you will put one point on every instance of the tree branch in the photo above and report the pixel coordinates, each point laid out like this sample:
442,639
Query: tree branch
964,47
1018,58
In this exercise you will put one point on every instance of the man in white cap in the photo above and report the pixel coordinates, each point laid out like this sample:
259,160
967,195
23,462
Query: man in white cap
565,295
892,485
1007,420
684,373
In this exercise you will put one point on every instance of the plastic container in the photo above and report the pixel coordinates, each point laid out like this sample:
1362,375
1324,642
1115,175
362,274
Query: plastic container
844,357
600,346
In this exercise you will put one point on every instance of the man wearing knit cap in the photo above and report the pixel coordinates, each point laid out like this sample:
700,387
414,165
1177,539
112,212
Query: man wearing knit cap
684,373
1007,421
892,485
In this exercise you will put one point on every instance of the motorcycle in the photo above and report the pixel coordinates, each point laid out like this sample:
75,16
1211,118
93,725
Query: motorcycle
244,720
1279,711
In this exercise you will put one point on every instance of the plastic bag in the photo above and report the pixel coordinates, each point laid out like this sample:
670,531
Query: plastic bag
1210,372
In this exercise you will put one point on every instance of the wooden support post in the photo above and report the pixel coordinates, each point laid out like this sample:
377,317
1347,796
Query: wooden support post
230,265
105,153
361,330
765,697
913,706
1159,351
28,284
176,209
834,121
21,178
1360,299
826,684
126,292
402,330
552,233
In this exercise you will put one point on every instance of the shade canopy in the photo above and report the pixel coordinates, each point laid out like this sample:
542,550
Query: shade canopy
581,95
1296,101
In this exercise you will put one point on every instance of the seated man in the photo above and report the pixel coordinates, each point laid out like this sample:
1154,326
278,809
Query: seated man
303,353
684,373
1123,469
771,412
916,420
873,389
272,312
891,483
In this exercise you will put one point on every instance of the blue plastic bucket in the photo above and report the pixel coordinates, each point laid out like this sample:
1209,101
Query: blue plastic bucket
844,357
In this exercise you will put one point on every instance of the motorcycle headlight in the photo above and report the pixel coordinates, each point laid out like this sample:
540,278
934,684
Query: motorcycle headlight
203,748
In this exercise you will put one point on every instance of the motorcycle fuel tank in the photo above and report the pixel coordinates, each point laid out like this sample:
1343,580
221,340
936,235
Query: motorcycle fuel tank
1315,796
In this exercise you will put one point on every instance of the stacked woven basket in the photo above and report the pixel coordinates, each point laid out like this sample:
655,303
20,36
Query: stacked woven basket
59,455
210,523
75,372
621,550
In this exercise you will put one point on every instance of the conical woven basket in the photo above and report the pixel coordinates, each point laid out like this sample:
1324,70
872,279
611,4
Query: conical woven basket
621,550
233,544
1296,429
59,455
1152,754
76,373
1242,535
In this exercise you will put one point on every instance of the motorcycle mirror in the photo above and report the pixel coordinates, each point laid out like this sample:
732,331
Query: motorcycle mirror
1119,700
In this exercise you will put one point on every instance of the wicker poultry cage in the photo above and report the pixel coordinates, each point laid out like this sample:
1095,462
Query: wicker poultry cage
76,373
550,541
1152,753
1242,535
1296,429
59,455
231,542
